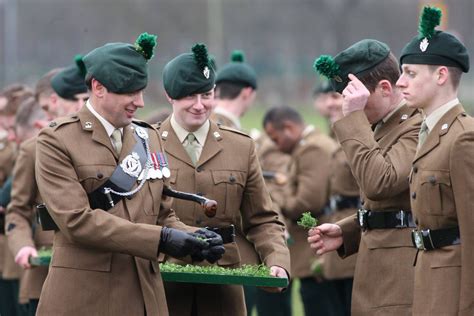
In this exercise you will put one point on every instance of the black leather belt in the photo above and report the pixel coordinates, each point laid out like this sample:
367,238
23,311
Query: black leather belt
2,223
386,219
433,239
227,233
340,202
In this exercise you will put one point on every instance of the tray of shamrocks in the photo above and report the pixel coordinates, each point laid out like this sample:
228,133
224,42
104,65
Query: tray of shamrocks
43,259
251,275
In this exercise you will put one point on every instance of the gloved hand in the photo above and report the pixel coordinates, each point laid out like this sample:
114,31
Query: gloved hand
177,243
214,251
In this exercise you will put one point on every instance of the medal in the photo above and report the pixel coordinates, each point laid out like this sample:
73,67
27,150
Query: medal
156,173
164,165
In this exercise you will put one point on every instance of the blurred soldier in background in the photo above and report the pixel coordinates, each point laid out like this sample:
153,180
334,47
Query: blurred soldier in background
307,190
25,236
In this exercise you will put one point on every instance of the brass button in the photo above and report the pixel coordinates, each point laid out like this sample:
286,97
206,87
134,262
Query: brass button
413,195
199,169
100,175
415,169
432,179
232,178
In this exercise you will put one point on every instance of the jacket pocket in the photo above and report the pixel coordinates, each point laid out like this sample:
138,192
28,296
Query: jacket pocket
436,196
446,257
81,259
229,184
93,176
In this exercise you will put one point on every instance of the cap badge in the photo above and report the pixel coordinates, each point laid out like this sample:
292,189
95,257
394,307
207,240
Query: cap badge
131,165
88,125
424,45
206,72
445,126
141,132
164,135
404,117
338,79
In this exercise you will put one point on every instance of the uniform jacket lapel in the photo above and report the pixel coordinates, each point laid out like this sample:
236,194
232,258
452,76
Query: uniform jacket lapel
172,144
212,146
128,141
440,129
396,119
90,123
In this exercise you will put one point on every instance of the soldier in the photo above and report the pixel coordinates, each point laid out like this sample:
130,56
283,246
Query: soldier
236,89
307,190
87,170
378,133
10,99
441,182
220,163
24,236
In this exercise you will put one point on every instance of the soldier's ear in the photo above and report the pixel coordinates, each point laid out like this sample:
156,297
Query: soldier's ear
442,74
385,87
97,88
168,98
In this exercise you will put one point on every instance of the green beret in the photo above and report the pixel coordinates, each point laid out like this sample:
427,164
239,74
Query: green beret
121,67
189,74
238,71
70,81
358,60
433,47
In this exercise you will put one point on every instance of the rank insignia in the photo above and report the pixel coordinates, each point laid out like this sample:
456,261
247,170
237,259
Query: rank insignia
131,165
424,45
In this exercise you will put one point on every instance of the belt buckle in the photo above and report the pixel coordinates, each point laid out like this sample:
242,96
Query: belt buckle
417,237
362,218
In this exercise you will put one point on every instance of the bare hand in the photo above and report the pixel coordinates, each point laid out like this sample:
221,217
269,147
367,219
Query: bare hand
278,272
355,96
23,256
325,238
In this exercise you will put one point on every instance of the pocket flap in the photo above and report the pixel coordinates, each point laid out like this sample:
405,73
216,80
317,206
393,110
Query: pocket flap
228,176
81,258
435,177
445,257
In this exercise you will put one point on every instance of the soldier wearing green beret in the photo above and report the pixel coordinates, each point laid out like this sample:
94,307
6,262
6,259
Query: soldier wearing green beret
378,133
236,89
93,172
24,236
441,182
220,163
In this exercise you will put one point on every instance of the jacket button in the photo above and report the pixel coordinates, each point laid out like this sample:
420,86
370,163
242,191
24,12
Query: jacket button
432,179
232,179
413,195
100,175
199,169
415,169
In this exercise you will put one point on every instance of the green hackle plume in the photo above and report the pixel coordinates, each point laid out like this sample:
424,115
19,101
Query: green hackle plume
237,56
80,65
430,18
200,55
145,45
326,66
307,221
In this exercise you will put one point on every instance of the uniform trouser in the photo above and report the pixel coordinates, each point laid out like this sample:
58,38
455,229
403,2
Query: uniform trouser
274,304
320,297
32,307
9,298
344,289
249,293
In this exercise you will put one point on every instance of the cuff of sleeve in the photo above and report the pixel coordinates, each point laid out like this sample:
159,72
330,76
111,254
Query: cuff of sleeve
350,235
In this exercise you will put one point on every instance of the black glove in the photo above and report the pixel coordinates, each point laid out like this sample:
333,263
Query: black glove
215,249
177,243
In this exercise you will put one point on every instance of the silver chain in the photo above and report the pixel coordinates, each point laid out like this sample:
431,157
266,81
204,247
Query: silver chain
148,166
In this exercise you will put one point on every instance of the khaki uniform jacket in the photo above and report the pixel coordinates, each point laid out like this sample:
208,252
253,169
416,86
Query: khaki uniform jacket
21,224
8,268
343,183
442,185
104,262
229,173
223,120
381,164
307,190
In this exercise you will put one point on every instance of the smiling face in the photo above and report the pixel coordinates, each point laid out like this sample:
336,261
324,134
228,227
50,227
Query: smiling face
118,109
193,111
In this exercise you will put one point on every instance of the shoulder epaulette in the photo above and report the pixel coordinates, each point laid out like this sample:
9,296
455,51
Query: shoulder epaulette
226,128
61,121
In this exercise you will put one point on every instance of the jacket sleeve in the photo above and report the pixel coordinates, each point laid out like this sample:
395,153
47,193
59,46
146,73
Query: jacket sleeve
20,211
351,234
380,176
68,205
260,221
462,181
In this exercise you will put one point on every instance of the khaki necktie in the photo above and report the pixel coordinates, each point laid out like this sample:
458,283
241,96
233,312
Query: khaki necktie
191,147
423,134
116,138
